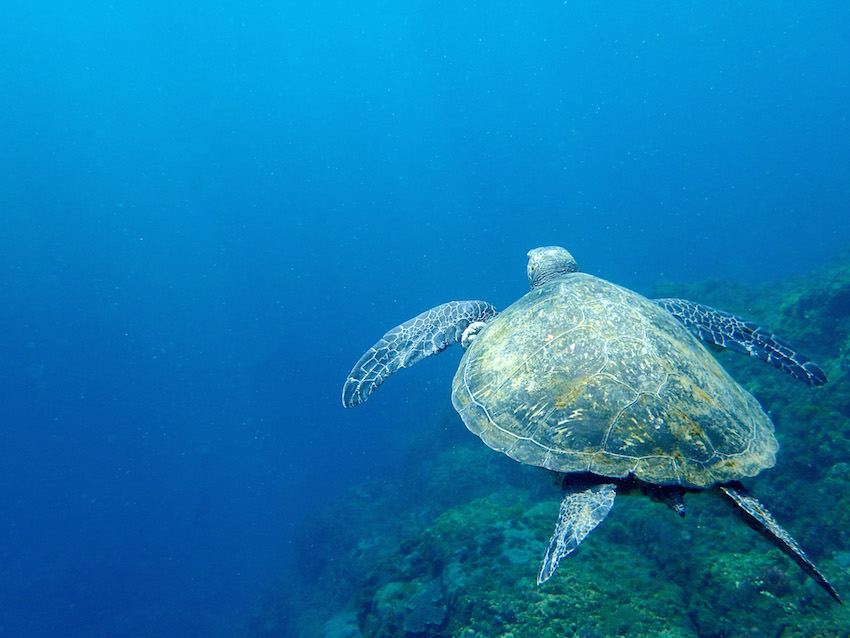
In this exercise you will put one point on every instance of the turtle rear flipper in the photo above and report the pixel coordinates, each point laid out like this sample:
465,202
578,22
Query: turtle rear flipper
763,521
428,333
581,511
729,331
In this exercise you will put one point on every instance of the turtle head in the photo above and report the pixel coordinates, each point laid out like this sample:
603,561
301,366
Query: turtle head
548,263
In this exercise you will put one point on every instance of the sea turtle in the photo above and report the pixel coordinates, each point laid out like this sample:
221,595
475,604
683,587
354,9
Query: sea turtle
611,389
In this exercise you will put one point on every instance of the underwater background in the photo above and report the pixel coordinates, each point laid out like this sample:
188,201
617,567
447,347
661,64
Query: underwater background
209,210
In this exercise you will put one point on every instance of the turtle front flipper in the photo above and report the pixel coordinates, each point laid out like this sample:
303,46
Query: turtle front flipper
729,331
763,521
426,334
582,509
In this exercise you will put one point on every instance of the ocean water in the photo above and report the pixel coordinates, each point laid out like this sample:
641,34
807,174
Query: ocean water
208,210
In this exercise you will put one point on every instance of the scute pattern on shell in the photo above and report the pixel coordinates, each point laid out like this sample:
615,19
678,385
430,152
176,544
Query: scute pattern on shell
583,375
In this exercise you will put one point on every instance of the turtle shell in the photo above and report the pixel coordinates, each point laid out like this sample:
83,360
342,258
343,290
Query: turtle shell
581,375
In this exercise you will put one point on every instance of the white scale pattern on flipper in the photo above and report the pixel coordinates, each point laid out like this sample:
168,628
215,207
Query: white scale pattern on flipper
729,331
426,334
581,511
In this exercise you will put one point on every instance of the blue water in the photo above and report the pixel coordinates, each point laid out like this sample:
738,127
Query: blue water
208,210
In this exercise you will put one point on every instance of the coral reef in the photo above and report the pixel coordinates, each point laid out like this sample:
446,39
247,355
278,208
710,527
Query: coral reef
426,609
462,561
